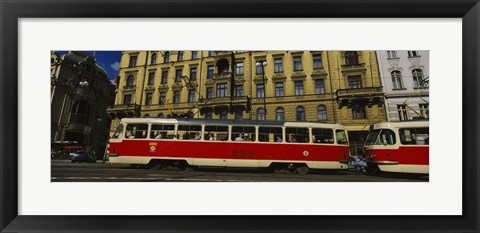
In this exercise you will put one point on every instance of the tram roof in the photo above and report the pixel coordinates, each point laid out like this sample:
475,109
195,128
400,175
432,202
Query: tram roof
402,124
231,122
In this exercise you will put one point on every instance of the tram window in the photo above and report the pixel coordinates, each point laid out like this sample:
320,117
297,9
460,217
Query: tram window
322,135
162,132
136,131
387,137
297,135
216,133
243,133
270,134
414,136
189,132
341,138
118,131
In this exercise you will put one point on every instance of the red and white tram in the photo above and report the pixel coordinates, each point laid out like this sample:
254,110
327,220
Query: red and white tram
398,147
299,146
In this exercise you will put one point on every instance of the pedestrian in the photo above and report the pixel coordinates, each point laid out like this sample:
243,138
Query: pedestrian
279,139
239,138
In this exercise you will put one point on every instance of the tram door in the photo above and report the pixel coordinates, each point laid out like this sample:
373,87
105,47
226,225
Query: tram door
356,139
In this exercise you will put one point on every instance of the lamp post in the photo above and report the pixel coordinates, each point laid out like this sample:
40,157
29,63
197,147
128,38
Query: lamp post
263,64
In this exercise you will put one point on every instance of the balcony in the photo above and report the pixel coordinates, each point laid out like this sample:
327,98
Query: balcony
369,95
123,110
222,102
354,68
225,75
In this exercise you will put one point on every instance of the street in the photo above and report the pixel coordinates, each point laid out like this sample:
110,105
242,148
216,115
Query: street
64,171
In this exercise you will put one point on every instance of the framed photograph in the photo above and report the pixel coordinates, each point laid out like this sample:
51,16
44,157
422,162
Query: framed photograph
444,33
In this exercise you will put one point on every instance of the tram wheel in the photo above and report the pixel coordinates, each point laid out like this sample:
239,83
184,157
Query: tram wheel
302,170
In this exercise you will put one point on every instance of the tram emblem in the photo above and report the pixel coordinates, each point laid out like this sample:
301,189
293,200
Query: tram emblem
153,148
305,153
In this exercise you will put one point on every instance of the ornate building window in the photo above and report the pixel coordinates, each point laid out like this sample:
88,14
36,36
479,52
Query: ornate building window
424,110
322,113
127,99
148,99
176,97
280,114
417,77
397,79
163,97
221,90
413,54
178,75
224,114
317,61
164,77
358,111
354,82
392,54
194,54
211,53
351,58
133,61
153,61
166,57
180,56
261,114
239,90
191,95
260,90
277,65
299,87
130,81
402,112
319,86
297,63
193,73
239,114
80,112
209,92
259,67
210,71
151,78
300,113
279,89
209,114
239,68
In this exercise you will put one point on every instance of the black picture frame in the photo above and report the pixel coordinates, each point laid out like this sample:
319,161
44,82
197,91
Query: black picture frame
11,11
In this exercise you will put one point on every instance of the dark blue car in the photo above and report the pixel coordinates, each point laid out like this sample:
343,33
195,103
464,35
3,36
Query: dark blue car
81,156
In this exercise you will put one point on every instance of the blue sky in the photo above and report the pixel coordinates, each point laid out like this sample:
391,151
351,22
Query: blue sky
109,60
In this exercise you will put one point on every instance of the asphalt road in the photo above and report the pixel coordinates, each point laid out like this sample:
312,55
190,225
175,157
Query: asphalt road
64,171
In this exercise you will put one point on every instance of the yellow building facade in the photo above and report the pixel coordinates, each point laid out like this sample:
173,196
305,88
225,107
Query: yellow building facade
341,87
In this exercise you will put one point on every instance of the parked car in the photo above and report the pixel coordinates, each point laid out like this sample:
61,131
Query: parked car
81,156
357,163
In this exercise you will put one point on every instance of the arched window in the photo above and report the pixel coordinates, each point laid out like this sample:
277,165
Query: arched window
280,116
417,77
301,113
397,79
261,114
166,57
154,58
79,112
130,81
322,113
351,58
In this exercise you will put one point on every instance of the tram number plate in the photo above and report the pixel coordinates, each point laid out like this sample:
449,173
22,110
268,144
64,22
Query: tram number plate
243,153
